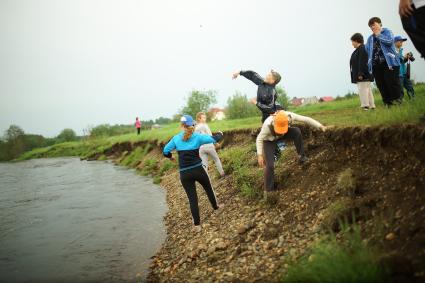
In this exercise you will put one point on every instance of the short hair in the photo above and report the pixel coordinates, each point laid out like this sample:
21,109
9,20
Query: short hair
276,76
374,20
198,116
357,37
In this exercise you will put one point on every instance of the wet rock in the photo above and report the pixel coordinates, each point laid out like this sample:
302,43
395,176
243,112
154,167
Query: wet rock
211,250
390,236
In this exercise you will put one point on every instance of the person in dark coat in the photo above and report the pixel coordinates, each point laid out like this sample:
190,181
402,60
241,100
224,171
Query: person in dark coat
360,72
412,13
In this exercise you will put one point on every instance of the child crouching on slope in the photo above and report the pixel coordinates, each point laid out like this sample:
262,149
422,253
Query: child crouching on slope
187,144
276,128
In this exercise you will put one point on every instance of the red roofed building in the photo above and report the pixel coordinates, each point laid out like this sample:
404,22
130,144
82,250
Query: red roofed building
297,101
326,99
217,114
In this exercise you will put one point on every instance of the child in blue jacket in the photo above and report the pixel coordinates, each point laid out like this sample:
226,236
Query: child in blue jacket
187,144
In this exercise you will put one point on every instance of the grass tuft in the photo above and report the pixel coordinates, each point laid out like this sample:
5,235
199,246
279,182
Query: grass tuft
236,161
346,182
347,259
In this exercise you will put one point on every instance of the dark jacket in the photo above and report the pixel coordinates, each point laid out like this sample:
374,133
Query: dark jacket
266,93
358,66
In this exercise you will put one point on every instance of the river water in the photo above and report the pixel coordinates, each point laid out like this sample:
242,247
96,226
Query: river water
66,220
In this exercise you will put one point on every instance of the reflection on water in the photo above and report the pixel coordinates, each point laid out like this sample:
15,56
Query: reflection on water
67,220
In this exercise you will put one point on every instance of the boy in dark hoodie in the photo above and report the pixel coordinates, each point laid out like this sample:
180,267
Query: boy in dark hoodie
266,93
266,96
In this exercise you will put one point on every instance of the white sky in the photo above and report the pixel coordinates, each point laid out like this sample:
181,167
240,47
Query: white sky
70,64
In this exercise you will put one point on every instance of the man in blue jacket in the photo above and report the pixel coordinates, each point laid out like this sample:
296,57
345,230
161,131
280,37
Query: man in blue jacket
383,62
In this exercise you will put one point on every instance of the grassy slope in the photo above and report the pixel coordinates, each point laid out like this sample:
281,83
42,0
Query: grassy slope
337,113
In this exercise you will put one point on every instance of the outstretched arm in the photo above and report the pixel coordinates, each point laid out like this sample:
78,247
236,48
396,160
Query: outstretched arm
205,139
260,143
250,75
170,146
309,121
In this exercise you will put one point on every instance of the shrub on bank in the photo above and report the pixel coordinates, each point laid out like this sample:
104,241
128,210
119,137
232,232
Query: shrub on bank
240,162
338,259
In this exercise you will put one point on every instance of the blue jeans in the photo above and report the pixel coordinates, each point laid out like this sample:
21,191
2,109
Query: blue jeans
406,83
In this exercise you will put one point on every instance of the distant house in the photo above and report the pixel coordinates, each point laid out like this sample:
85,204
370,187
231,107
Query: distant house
155,126
311,100
217,114
297,101
326,99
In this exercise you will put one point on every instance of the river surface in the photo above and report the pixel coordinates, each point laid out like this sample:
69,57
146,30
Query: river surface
66,220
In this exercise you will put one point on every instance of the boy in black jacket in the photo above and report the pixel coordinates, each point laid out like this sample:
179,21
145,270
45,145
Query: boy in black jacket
266,96
266,93
360,73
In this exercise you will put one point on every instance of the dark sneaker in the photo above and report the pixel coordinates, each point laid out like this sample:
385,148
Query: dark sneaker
303,160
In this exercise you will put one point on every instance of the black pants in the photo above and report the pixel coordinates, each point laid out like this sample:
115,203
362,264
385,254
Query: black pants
406,83
138,131
188,179
294,134
388,82
415,28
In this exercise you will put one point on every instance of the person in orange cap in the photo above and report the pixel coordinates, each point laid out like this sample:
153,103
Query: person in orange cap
275,129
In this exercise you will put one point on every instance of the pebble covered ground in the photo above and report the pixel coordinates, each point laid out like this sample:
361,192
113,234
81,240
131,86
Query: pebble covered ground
249,240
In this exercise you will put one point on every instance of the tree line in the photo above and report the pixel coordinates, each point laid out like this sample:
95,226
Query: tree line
15,141
238,105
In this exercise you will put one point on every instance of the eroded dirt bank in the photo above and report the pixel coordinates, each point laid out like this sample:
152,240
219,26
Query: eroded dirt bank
248,240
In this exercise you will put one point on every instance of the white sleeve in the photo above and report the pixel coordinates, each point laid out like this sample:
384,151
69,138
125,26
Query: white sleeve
200,128
304,119
208,130
260,139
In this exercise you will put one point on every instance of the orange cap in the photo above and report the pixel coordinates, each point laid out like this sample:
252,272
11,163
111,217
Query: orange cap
281,123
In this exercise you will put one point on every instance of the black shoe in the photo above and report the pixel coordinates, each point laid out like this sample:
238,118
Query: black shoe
303,160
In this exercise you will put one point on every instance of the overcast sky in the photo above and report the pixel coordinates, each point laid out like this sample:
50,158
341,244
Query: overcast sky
70,64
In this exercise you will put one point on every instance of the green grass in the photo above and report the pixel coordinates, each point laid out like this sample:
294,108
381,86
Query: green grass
348,113
136,156
330,260
337,113
150,166
239,161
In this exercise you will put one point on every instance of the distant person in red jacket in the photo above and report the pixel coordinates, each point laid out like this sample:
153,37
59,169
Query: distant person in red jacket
138,125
